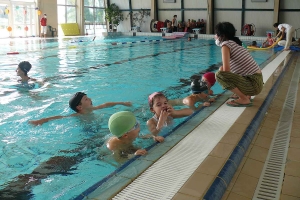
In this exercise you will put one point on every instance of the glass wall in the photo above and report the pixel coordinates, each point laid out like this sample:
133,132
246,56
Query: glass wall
94,16
18,19
66,11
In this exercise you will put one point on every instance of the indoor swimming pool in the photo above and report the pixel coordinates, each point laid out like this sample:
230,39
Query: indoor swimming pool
64,157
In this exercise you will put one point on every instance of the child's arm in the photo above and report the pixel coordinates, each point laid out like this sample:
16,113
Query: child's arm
44,120
180,113
111,104
155,128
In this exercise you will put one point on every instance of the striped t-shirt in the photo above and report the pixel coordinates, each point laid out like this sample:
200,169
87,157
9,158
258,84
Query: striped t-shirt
241,62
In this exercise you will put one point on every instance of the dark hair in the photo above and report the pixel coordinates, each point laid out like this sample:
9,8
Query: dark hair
76,100
175,16
198,86
254,43
276,24
25,66
226,31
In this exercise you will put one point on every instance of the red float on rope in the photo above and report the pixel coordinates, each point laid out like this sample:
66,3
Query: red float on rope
12,53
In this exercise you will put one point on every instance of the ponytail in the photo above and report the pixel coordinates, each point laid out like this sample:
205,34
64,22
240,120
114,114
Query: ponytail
237,40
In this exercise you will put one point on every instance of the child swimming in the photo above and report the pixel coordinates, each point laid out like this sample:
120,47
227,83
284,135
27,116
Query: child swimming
163,114
22,71
82,105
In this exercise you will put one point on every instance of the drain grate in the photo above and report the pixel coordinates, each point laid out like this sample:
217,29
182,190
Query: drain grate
270,181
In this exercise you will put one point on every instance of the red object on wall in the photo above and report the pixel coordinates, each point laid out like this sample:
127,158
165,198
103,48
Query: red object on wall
26,28
159,25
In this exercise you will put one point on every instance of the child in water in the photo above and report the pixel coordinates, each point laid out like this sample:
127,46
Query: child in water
125,128
163,114
269,41
201,91
22,71
254,44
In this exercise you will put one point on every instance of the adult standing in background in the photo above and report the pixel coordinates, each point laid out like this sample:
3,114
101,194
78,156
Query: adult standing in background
44,25
288,30
174,23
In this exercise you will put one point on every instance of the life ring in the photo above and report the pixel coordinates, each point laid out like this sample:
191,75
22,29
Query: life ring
12,53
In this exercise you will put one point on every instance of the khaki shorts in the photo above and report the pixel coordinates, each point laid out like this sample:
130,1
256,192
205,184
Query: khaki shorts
248,85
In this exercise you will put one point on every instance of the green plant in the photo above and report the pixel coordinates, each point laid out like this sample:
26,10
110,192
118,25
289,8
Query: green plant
138,17
113,15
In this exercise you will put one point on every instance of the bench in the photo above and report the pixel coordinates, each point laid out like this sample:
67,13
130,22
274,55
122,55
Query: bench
70,29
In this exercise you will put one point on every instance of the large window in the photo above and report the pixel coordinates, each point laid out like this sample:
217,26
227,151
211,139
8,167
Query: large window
17,19
94,16
66,11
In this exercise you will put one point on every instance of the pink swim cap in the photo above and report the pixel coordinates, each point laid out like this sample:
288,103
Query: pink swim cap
210,77
269,35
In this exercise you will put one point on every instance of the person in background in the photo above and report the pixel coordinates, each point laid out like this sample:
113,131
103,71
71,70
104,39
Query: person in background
269,41
125,128
254,44
174,23
288,30
188,25
169,26
44,25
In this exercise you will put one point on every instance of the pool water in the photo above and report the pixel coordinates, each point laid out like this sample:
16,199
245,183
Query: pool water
62,158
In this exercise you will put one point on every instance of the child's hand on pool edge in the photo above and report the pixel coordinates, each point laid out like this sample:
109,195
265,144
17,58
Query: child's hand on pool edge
140,152
158,138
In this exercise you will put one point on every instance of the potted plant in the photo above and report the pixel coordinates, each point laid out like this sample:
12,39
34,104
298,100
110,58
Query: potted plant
114,16
138,17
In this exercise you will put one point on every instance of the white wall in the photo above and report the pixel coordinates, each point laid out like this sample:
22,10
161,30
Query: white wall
229,16
50,8
228,4
292,18
263,20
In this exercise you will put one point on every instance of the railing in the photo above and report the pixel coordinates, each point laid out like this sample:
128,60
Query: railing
296,32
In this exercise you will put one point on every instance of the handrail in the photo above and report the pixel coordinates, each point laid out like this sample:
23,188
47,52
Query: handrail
296,32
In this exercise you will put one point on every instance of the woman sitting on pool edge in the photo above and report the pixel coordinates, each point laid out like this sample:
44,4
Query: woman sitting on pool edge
163,114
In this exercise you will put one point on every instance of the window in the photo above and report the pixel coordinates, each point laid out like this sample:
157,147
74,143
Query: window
66,10
94,16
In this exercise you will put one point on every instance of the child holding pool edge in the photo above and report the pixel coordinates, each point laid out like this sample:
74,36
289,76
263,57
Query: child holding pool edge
201,91
163,114
125,128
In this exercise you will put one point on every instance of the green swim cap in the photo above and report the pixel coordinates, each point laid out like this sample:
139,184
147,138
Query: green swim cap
121,122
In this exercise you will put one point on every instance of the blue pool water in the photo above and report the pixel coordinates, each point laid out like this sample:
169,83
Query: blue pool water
73,149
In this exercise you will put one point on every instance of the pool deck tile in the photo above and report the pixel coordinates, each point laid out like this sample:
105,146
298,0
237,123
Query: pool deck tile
244,181
196,188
